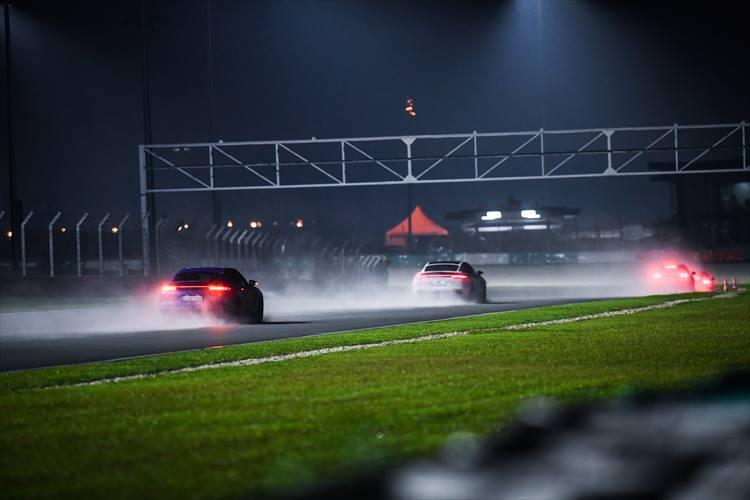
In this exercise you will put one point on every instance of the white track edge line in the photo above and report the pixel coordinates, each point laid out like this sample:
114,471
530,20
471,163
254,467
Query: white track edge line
272,359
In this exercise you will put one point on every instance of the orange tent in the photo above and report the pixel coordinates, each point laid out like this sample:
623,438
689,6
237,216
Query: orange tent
421,225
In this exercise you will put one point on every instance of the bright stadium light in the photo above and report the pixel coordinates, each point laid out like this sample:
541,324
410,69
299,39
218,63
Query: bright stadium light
300,224
9,234
62,229
230,223
115,229
492,215
530,214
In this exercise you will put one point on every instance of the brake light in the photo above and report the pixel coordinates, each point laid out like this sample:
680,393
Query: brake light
168,288
455,276
218,288
706,282
684,276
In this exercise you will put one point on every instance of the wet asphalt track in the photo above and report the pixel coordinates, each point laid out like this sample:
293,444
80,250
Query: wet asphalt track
22,352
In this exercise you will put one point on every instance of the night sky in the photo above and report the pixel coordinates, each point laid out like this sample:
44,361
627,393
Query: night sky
296,69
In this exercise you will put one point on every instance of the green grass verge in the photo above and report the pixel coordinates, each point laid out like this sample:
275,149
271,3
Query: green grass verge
245,430
46,377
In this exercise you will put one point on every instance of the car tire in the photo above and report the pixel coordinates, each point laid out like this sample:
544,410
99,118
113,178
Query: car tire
481,297
256,316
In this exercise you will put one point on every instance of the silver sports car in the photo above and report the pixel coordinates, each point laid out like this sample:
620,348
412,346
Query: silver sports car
451,277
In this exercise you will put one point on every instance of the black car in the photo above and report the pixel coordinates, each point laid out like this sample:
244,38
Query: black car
215,290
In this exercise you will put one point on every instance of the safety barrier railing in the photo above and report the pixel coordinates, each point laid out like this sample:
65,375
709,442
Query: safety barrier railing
56,229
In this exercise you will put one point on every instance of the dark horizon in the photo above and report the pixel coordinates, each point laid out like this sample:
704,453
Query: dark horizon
330,69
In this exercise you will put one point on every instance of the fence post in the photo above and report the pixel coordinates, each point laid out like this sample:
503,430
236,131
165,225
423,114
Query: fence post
239,243
208,240
216,244
119,239
261,243
248,240
231,243
78,242
223,244
50,227
23,242
101,248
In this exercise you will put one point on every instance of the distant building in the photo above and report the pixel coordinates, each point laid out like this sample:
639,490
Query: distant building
503,219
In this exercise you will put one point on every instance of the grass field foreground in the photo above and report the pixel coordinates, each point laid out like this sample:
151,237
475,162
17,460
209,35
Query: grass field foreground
243,430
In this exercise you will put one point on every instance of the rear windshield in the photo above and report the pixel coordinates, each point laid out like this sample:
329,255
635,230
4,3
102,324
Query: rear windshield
441,268
202,276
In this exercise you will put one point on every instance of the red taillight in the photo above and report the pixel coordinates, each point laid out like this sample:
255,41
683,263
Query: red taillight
218,288
168,288
684,275
455,276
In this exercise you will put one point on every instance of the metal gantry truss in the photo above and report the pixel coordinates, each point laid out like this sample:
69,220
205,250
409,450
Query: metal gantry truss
422,159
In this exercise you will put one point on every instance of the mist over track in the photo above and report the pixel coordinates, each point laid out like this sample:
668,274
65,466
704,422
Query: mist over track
134,327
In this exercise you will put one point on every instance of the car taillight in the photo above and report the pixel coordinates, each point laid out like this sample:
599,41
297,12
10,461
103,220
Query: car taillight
455,276
657,275
168,288
218,288
684,275
706,282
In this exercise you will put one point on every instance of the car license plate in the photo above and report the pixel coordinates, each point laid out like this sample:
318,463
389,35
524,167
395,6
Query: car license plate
440,283
192,298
